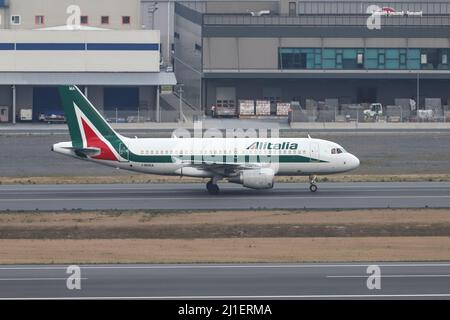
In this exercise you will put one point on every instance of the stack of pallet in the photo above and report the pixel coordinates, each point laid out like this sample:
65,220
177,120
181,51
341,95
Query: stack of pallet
434,104
283,109
246,108
262,107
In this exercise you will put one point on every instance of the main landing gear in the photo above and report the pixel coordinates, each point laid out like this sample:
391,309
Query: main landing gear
212,187
312,183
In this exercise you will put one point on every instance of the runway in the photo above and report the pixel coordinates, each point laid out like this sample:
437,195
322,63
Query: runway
229,281
232,197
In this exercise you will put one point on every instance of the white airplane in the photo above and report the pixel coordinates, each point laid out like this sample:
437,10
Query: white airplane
251,162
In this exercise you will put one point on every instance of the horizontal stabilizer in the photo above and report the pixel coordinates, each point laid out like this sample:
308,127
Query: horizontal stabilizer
85,152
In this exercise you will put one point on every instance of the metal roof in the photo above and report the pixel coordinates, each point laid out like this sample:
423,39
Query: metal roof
88,78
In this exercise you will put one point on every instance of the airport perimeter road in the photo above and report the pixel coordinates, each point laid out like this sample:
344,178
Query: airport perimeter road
229,281
233,197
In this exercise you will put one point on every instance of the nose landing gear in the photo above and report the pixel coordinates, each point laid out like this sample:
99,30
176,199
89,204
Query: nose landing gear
312,183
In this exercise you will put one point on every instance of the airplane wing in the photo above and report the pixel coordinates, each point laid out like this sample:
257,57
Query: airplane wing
220,168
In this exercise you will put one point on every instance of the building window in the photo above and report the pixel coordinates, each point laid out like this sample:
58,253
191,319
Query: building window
292,8
84,19
15,20
360,58
423,58
105,19
126,19
225,103
39,20
293,58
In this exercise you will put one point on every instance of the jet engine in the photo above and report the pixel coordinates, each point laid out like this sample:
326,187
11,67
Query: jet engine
255,178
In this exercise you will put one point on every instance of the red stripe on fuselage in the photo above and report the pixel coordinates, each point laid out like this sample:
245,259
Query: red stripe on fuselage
94,141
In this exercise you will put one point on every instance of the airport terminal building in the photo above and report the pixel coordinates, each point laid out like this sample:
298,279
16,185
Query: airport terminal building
285,50
106,52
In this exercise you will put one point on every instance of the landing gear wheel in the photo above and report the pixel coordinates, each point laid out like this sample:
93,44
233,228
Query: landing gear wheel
212,188
312,183
313,188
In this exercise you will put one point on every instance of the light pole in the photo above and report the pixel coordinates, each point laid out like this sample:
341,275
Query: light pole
418,91
168,32
180,95
152,9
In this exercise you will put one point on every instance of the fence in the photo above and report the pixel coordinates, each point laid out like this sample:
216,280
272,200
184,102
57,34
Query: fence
150,115
314,112
360,113
326,20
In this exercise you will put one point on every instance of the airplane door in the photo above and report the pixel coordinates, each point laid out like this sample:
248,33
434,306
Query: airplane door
314,155
124,153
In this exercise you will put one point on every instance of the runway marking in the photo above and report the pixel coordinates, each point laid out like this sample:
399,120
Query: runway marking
333,296
398,276
229,266
169,187
38,279
227,198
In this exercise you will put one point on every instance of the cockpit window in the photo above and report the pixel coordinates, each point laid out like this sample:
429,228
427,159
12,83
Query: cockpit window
337,150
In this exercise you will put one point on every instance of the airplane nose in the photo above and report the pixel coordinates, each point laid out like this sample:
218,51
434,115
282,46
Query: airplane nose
354,162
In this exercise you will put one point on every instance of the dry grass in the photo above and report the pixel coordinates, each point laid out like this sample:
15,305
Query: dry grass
310,247
134,219
225,250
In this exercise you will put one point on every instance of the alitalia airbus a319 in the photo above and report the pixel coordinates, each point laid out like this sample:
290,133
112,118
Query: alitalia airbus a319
251,162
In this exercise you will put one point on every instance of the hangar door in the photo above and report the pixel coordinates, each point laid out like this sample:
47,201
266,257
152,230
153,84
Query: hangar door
121,104
122,98
226,97
46,101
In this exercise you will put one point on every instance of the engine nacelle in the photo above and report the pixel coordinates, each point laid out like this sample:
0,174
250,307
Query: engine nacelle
255,178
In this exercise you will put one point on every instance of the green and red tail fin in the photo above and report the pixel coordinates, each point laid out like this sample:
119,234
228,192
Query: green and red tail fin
87,127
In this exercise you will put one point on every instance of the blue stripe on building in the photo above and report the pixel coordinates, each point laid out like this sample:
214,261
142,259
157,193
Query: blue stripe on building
123,46
80,46
2,3
50,46
6,46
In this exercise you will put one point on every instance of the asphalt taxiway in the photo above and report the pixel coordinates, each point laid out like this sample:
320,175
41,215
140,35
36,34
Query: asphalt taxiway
228,281
232,197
